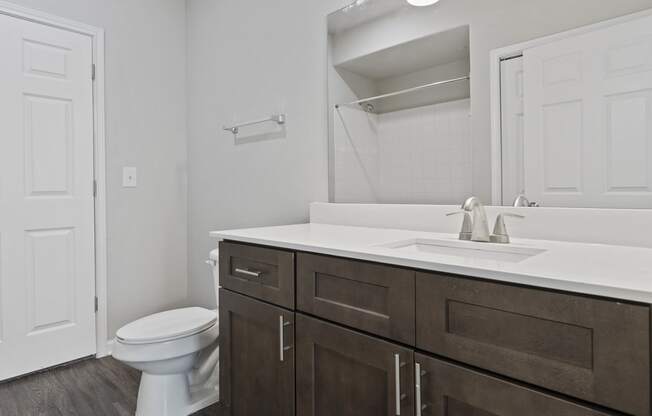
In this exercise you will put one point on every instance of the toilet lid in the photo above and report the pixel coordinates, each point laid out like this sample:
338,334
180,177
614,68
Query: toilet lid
168,325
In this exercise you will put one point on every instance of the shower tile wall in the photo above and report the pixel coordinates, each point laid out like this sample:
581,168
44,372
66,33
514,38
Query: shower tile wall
357,156
420,155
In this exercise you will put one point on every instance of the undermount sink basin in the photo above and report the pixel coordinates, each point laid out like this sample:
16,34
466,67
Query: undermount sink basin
467,249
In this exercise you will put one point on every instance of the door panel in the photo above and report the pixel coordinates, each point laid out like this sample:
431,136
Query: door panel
371,297
50,279
48,146
451,390
588,119
47,270
256,357
344,373
592,349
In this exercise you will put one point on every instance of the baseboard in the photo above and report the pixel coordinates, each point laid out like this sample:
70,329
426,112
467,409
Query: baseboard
105,350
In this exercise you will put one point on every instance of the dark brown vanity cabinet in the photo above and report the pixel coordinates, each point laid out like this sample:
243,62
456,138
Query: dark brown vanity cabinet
344,373
256,357
371,339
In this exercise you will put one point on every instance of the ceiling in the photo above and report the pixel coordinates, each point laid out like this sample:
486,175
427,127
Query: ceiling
361,11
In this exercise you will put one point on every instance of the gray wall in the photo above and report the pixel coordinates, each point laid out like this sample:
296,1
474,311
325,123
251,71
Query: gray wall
146,128
247,58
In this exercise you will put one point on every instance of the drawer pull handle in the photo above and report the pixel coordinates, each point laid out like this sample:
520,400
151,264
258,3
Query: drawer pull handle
248,272
397,375
281,335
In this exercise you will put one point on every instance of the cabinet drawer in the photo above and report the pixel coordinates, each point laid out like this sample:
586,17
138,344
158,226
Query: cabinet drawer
263,273
446,389
371,297
593,349
344,373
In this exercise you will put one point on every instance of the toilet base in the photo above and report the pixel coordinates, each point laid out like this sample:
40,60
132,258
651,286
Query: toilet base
164,395
171,394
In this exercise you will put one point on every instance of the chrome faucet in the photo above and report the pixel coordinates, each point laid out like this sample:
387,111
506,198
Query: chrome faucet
500,234
522,201
475,226
467,226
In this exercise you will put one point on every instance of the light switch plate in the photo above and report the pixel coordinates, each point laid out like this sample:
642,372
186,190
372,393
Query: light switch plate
129,177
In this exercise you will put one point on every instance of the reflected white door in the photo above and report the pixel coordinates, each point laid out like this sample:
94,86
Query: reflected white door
588,119
47,277
511,105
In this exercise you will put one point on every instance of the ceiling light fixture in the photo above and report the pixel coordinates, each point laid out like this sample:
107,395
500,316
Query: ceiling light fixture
421,3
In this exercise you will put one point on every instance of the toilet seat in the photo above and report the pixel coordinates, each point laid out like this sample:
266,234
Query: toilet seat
167,326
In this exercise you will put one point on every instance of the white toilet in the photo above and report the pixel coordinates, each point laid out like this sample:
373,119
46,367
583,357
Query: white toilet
178,355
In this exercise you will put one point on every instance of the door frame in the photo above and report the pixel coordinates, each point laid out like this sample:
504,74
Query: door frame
99,155
512,51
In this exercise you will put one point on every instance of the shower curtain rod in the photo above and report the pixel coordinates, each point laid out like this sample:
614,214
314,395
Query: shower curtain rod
405,91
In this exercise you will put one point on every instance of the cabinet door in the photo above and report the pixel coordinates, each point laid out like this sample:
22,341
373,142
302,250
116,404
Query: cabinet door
344,373
593,349
371,297
445,389
256,357
260,272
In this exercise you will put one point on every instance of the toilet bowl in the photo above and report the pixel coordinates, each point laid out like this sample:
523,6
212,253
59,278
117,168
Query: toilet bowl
177,353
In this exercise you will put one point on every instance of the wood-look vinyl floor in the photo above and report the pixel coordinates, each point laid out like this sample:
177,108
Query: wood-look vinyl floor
91,387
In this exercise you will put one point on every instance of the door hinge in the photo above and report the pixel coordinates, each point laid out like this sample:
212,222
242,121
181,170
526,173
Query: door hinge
97,304
94,188
93,72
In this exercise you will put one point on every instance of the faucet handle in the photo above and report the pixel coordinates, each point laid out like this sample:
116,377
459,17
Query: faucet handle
500,230
467,225
511,214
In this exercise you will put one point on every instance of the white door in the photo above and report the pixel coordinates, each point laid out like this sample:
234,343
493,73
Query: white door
588,119
511,99
47,277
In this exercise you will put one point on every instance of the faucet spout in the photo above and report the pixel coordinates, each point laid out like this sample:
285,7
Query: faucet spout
480,231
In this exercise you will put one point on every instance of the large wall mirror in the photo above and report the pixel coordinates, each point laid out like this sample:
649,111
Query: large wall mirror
546,100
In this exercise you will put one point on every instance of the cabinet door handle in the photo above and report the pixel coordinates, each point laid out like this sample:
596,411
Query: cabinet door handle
417,387
248,272
397,375
281,335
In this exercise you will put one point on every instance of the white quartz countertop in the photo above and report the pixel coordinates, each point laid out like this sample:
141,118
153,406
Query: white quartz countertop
617,272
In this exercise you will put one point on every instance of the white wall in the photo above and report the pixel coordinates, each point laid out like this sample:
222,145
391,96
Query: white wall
146,128
246,59
493,24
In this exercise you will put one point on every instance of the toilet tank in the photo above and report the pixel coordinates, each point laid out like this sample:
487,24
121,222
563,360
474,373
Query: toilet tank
214,261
